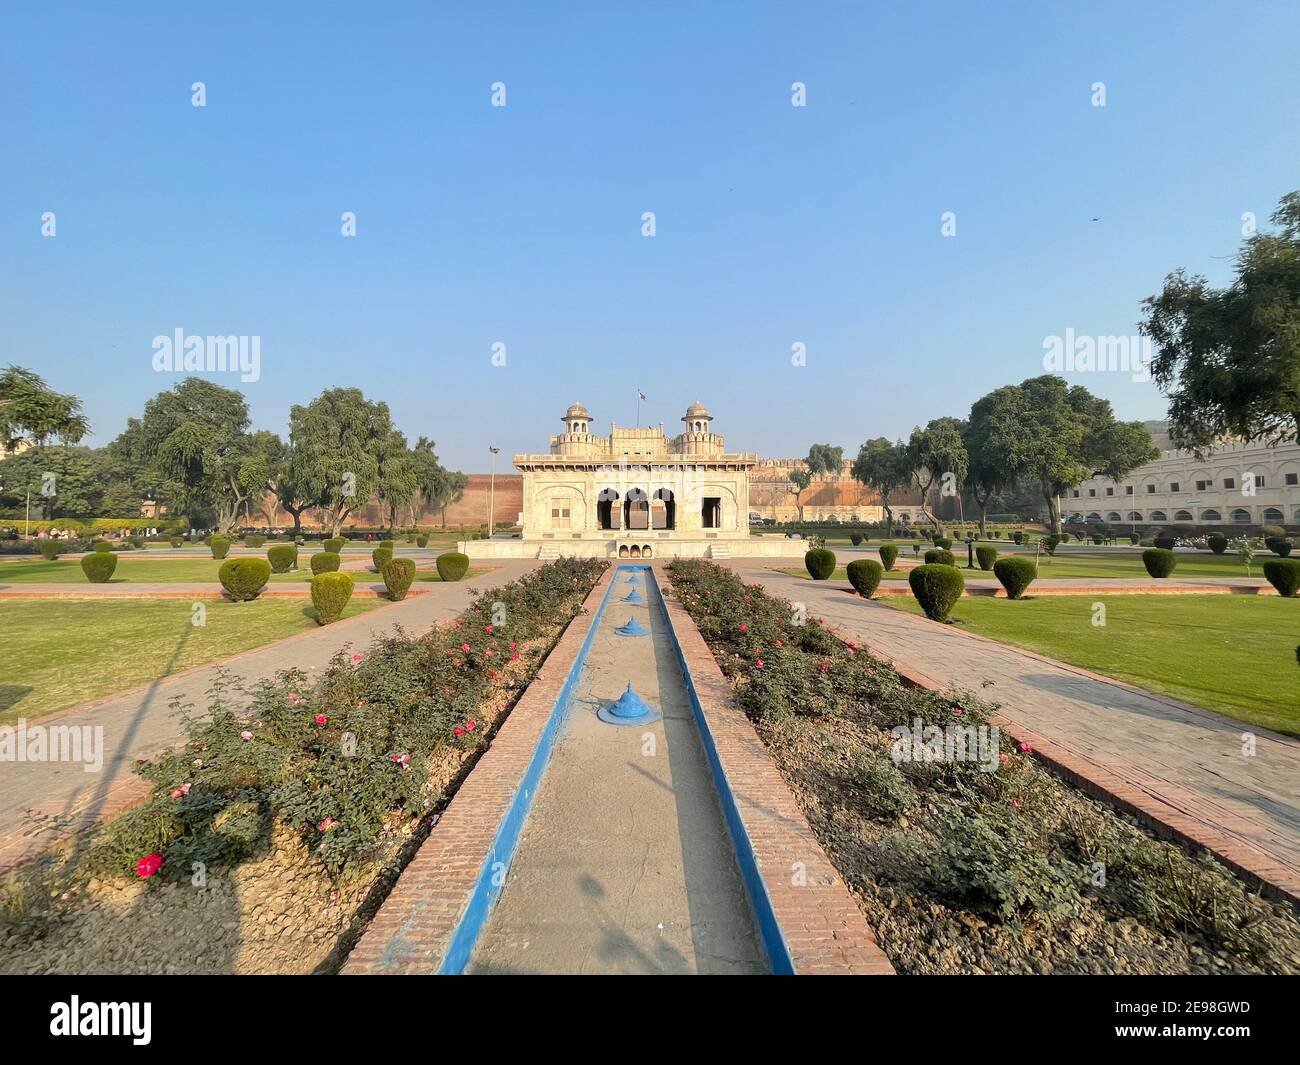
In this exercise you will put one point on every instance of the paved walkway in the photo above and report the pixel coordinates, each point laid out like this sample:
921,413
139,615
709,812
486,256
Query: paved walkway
1191,761
40,800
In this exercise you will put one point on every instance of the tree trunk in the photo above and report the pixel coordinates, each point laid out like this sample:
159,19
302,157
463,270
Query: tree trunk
1053,509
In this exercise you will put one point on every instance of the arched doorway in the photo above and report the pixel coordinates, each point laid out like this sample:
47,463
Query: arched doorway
636,510
608,512
665,516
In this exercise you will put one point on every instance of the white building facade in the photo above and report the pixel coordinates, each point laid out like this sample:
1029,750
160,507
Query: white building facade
635,493
1238,485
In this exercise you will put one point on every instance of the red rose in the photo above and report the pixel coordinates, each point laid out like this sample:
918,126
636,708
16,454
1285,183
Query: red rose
148,865
321,719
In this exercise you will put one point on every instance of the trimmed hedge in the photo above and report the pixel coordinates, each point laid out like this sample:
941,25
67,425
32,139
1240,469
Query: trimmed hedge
422,540
390,544
380,557
398,575
936,588
1159,561
1284,575
1218,543
820,563
330,593
938,556
944,543
254,540
1280,546
176,541
283,557
1018,537
49,549
986,555
219,545
1165,543
888,555
864,575
856,538
101,545
452,565
1015,573
325,562
244,578
99,566
334,544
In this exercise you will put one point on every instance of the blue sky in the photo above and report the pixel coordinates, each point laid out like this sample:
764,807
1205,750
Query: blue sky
522,224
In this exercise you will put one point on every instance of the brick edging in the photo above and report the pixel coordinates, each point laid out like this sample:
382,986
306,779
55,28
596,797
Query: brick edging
1247,861
823,928
413,928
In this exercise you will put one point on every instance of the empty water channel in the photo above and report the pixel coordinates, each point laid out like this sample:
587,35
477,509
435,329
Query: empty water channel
624,863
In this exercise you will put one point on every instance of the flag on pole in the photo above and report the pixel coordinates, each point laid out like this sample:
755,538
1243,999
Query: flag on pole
640,394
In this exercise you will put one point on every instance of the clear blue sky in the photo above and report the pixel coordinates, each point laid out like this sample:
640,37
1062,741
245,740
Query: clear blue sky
522,224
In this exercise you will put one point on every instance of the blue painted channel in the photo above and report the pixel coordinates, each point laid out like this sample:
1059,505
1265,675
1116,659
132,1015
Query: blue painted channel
492,877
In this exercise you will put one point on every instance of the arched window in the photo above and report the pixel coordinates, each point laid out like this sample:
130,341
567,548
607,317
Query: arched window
1211,515
1183,515
1273,514
1158,515
1240,516
1133,515
1113,516
1094,516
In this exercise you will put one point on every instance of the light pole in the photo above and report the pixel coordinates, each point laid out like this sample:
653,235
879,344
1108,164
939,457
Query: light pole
492,488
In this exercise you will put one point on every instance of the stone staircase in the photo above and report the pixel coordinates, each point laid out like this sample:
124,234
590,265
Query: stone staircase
548,552
719,551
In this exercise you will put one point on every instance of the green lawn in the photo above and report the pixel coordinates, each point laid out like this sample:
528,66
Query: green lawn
61,652
134,570
1089,566
1233,654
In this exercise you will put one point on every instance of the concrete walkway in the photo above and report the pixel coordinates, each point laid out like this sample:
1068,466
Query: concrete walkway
625,865
40,801
1191,761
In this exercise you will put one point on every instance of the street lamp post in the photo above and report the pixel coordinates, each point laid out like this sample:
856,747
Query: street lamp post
492,488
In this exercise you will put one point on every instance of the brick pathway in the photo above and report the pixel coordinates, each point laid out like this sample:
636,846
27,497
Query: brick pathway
38,801
1184,763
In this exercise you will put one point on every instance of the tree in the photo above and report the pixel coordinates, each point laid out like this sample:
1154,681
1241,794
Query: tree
822,459
398,478
937,455
800,480
62,481
196,436
997,446
884,468
336,441
1055,436
436,486
32,413
1229,358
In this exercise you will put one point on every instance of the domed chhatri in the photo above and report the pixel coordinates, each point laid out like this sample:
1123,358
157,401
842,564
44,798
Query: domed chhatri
628,709
632,628
635,492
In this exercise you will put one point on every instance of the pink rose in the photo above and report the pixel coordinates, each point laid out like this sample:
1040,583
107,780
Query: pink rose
148,865
321,719
245,735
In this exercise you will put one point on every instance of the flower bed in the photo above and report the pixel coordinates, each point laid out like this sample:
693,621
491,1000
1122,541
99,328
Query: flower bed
983,863
272,833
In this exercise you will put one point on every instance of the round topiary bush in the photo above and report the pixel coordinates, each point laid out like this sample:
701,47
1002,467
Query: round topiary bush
1284,575
390,544
855,538
254,540
218,545
1280,547
1018,537
101,545
422,540
283,557
888,555
986,555
1159,561
864,575
943,542
1165,542
1051,543
938,556
1218,543
99,566
49,549
244,578
176,541
1015,573
325,562
334,544
452,565
398,576
820,563
936,588
381,556
330,593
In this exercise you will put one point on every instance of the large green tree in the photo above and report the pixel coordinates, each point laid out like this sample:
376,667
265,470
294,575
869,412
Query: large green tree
436,486
336,442
32,413
1229,358
937,456
998,446
883,467
822,459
